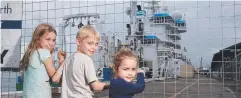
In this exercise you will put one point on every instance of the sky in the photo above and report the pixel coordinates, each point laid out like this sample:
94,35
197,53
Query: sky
208,32
211,25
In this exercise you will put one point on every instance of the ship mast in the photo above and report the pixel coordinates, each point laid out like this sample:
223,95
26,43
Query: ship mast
153,6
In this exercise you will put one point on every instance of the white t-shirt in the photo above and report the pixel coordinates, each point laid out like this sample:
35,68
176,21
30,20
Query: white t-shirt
78,73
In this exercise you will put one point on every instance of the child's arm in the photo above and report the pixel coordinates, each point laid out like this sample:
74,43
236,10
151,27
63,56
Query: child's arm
91,78
52,72
56,77
121,86
49,65
99,86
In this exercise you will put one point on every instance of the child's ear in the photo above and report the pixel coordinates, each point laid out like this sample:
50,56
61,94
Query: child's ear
78,41
115,69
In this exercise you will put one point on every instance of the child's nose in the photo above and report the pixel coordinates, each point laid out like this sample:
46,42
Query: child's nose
52,42
130,73
94,47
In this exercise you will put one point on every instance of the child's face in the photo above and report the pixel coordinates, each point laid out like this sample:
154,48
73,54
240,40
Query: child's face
88,46
48,41
127,69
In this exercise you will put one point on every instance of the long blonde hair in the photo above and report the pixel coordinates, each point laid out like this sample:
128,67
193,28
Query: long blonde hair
39,31
122,54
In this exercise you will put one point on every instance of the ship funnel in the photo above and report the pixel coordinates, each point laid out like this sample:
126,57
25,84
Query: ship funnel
139,7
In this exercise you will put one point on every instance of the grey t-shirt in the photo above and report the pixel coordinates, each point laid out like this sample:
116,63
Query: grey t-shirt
78,73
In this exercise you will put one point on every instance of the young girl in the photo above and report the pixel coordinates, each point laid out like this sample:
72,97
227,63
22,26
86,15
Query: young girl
37,63
126,68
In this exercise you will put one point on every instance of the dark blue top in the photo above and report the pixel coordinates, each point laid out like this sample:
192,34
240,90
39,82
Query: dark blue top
119,88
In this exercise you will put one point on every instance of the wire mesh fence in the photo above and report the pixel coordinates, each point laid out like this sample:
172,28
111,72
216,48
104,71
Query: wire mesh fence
211,40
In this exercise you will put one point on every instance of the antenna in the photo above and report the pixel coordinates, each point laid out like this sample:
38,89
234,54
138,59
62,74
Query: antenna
201,63
153,6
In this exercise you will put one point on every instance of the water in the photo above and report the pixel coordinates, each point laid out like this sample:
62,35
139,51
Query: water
8,81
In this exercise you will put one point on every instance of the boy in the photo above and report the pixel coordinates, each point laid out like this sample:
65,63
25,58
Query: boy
79,76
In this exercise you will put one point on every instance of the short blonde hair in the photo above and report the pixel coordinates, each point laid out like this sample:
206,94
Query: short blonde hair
87,31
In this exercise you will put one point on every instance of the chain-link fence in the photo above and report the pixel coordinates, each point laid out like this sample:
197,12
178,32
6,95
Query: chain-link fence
169,39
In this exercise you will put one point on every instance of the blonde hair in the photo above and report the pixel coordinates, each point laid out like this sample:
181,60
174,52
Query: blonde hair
87,31
39,31
122,54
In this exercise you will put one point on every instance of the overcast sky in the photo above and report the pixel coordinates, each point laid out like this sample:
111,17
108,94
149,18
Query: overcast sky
207,32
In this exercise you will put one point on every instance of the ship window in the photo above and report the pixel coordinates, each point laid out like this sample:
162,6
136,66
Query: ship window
148,41
166,21
182,24
159,19
176,62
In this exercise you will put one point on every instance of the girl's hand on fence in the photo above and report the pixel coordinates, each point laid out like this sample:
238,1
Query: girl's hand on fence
52,51
140,70
61,55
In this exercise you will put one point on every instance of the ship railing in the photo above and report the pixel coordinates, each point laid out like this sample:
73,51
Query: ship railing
164,49
177,36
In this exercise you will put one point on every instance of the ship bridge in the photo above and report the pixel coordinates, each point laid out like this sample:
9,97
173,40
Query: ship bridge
181,25
153,39
162,18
